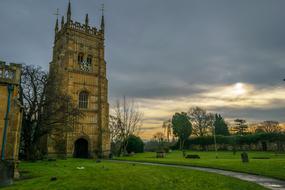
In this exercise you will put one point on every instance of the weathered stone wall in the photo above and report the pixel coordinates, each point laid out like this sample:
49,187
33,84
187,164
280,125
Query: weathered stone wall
10,75
3,108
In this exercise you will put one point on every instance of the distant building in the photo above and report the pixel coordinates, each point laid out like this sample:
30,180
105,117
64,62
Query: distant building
10,111
78,57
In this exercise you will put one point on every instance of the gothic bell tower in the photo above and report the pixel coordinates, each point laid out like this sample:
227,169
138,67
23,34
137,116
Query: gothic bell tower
78,57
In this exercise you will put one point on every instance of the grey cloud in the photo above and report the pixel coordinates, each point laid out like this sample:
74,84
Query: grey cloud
252,114
161,48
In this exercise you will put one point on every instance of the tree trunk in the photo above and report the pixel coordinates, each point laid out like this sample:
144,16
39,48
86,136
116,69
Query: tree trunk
182,148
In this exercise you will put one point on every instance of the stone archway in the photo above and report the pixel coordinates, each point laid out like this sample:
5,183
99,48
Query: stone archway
81,148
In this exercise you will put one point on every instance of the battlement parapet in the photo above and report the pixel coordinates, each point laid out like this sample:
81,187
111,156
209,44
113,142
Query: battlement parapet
80,27
10,74
83,28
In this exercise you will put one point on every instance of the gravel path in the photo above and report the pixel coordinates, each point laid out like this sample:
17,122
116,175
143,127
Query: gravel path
267,182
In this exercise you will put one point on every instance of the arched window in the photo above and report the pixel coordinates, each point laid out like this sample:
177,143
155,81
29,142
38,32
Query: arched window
83,99
80,58
89,59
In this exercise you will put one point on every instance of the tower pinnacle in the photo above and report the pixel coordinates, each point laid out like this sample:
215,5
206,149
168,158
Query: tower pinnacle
69,12
86,20
62,21
56,23
102,19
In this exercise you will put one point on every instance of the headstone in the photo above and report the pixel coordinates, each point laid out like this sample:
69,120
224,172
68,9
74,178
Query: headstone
234,150
6,172
244,157
192,156
160,154
264,145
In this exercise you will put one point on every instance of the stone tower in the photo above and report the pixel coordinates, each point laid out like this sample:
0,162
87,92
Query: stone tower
78,57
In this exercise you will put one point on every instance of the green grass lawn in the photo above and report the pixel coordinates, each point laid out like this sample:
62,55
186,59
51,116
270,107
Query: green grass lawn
107,175
273,167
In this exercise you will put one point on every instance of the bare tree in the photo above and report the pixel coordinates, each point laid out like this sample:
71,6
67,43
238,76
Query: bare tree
125,120
167,126
45,109
115,126
159,137
201,121
269,127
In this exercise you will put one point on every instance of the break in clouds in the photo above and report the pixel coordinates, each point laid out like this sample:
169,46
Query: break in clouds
170,55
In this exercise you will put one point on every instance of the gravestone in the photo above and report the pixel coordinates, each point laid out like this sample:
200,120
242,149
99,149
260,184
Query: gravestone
244,157
6,172
160,154
192,156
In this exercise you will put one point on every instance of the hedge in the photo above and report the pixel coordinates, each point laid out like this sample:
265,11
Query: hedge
237,139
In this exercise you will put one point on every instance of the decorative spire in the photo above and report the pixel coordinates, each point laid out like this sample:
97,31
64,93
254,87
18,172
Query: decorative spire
102,19
56,25
69,12
86,20
62,21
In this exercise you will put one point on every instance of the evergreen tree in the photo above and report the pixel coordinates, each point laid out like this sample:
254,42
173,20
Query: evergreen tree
221,128
240,126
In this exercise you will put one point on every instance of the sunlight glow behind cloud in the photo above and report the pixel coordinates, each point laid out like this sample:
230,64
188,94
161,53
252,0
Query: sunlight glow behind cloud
226,56
237,96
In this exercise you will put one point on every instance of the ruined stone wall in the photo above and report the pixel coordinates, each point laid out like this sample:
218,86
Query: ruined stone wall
10,75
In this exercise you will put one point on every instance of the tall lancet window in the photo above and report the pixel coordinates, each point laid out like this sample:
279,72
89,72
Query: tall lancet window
80,58
83,99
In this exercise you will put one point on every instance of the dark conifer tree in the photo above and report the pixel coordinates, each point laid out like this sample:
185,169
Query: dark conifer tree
221,127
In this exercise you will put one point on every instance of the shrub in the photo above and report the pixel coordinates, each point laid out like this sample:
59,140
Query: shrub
134,144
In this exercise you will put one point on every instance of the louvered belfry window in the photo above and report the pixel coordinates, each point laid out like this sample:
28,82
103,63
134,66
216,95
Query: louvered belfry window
89,59
83,100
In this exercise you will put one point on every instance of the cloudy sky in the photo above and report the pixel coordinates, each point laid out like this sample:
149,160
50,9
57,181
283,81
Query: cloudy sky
227,56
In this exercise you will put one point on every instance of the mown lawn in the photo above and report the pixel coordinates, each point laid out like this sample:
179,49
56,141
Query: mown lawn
107,175
273,167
